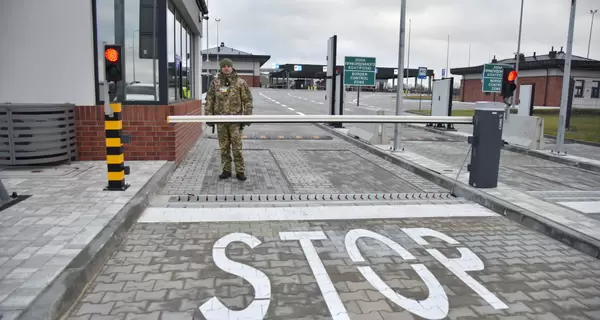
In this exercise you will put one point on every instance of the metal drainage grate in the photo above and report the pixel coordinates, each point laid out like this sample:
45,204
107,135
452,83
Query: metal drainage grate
280,137
312,197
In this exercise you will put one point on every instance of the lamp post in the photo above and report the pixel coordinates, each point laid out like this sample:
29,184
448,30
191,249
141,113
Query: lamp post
408,57
564,97
518,57
218,43
400,89
593,12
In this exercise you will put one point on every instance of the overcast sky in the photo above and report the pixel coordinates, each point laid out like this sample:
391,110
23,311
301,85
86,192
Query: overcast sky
297,31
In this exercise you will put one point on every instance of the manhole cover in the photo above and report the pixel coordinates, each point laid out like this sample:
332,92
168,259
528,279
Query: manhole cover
265,137
311,197
32,172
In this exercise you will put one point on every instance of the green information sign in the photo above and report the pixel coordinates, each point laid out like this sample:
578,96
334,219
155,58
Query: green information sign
359,71
492,77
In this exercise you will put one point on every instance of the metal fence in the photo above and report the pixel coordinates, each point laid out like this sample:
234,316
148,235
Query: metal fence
37,133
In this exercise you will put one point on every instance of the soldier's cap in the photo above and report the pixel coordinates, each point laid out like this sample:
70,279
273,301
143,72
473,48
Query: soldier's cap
226,62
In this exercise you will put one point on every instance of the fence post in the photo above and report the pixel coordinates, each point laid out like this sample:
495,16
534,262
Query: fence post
486,144
115,157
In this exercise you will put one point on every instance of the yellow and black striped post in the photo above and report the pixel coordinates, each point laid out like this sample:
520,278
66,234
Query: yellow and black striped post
115,156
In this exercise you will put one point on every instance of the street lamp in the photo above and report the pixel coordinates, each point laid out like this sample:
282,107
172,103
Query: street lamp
593,12
218,43
518,57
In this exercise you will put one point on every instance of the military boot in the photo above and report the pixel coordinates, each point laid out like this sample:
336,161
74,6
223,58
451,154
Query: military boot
225,175
241,176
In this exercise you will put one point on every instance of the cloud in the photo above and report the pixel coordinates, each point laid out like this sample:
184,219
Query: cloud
297,31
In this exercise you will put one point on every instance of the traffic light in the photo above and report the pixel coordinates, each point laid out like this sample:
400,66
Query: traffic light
113,63
509,75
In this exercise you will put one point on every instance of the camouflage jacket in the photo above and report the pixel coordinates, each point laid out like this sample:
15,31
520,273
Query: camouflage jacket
228,95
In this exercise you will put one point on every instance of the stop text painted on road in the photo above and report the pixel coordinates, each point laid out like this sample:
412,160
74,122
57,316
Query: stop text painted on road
435,306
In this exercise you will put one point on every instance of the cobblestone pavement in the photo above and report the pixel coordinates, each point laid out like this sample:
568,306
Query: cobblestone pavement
41,235
292,166
502,271
417,259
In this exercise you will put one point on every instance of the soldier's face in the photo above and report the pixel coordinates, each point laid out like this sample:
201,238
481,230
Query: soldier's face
226,69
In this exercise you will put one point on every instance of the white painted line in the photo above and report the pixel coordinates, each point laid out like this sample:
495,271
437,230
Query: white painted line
583,206
320,102
283,105
313,101
347,109
164,215
300,113
291,109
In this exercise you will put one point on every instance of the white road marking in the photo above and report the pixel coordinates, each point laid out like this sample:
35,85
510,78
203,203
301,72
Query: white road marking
320,102
583,206
166,215
330,295
291,109
347,109
300,113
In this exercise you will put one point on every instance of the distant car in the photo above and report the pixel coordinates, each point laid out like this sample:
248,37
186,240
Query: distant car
140,91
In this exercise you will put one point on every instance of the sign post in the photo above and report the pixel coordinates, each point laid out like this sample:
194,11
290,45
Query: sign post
422,74
359,71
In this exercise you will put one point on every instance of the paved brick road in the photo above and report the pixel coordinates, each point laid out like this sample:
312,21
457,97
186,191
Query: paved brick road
402,259
168,270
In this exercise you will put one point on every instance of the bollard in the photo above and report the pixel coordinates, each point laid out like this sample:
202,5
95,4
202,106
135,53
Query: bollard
115,157
486,144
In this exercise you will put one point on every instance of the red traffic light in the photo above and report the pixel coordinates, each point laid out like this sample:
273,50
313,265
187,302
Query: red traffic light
111,54
512,75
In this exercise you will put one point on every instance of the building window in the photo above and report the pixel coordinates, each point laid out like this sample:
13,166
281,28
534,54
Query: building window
137,33
179,55
595,89
579,88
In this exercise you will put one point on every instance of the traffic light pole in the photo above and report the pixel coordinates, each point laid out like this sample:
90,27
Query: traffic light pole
113,122
564,98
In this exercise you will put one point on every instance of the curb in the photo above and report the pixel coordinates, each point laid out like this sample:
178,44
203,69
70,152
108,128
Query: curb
573,238
549,157
67,287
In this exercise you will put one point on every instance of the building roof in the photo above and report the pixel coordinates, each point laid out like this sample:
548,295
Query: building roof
553,59
234,54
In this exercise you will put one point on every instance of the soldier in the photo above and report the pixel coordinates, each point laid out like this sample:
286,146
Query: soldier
229,94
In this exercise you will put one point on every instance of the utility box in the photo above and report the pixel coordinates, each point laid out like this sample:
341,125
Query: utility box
486,144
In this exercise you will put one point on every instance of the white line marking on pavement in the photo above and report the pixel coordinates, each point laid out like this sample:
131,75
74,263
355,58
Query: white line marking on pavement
320,102
164,215
300,113
332,298
347,109
583,206
291,109
313,101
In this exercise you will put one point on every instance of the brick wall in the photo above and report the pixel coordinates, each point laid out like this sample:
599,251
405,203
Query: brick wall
152,138
547,90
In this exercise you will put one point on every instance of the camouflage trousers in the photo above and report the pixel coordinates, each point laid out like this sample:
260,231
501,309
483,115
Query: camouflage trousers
230,141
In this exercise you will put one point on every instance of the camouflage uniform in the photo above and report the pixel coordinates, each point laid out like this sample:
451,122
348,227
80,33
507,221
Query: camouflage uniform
229,94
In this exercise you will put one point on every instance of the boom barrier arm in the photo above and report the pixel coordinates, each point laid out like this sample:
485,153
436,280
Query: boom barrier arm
320,119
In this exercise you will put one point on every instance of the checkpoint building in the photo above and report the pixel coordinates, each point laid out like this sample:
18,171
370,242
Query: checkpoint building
545,74
246,64
52,77
302,76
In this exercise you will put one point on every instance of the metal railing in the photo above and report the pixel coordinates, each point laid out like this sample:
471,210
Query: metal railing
320,119
37,133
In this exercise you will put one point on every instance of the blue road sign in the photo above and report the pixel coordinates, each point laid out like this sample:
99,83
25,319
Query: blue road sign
422,74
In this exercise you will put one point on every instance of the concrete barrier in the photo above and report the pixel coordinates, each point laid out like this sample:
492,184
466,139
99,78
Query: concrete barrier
524,131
